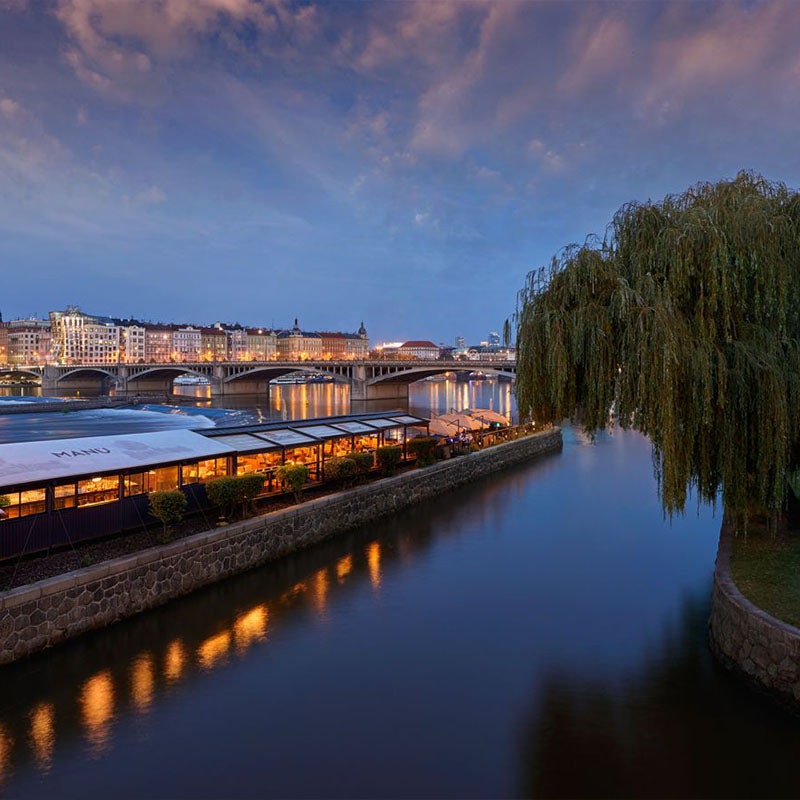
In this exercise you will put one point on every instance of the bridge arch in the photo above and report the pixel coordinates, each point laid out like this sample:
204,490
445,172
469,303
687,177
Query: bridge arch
270,373
20,371
414,374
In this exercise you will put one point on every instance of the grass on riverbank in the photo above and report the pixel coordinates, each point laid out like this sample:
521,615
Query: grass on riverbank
766,570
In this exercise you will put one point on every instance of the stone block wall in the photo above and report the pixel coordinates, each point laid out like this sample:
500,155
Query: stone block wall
48,612
749,641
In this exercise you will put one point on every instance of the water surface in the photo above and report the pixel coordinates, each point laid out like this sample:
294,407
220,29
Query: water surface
539,633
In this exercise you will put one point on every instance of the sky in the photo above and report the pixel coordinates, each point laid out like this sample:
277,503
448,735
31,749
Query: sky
402,163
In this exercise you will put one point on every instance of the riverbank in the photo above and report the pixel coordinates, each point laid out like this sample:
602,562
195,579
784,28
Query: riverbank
40,615
762,649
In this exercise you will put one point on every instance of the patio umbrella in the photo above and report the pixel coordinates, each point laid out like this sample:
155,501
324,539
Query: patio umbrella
462,420
487,415
440,427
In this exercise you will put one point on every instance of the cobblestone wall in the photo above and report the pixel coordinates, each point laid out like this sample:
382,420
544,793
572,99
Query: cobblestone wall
42,614
749,641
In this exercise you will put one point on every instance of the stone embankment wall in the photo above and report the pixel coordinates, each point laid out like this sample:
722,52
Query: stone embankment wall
42,614
749,641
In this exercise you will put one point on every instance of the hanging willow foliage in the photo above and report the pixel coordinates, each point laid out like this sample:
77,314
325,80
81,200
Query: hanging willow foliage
685,320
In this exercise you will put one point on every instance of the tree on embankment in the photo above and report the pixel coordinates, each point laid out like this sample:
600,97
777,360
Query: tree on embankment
685,319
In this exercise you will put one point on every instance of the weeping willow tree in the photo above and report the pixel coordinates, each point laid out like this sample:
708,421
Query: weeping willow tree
685,320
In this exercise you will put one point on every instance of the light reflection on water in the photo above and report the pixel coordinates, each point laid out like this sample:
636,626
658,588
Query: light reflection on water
97,709
285,402
539,633
42,736
107,695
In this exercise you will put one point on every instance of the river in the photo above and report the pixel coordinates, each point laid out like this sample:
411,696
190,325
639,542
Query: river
538,633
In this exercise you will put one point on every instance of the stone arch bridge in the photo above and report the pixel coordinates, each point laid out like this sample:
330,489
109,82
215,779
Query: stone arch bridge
368,380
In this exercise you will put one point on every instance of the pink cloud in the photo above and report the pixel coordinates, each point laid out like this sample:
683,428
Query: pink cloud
113,43
601,50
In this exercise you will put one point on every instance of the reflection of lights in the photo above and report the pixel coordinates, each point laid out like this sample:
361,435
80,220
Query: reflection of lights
42,733
5,751
374,562
250,627
142,681
214,649
174,661
97,708
343,567
320,584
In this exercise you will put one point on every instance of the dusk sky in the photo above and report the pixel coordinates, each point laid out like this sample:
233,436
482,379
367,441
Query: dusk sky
404,163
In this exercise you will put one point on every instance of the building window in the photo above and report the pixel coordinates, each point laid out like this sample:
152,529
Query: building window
64,495
263,463
23,504
202,471
93,491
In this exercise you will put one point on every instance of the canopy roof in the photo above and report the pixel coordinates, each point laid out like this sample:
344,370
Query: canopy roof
29,462
287,437
246,443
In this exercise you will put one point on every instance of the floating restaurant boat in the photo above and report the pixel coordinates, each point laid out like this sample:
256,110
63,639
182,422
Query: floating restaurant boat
191,380
56,493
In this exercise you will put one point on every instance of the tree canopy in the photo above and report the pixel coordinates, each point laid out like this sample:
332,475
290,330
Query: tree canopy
685,320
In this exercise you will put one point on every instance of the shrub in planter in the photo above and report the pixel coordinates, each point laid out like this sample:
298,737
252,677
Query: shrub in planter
228,493
341,469
250,487
423,447
295,476
388,458
167,507
222,493
362,461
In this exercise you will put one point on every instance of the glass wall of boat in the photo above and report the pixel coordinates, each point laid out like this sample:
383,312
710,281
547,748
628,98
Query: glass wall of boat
257,449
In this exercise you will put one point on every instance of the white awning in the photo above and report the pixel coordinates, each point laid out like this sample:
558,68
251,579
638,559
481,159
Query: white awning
38,462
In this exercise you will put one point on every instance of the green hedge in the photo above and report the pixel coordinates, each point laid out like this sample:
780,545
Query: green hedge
295,476
167,507
230,492
423,447
388,458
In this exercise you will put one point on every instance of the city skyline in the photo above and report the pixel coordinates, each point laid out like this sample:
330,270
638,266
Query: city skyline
404,162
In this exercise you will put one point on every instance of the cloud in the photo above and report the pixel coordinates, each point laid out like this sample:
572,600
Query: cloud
602,49
9,107
114,45
152,196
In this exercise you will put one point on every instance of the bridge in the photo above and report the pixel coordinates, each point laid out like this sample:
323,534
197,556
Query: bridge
368,379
